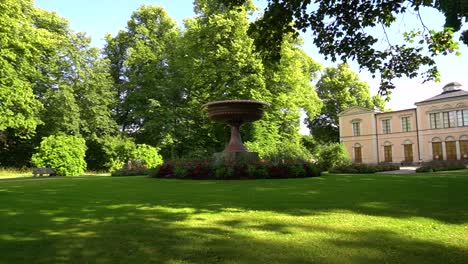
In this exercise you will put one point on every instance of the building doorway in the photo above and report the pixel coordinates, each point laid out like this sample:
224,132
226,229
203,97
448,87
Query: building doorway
451,150
408,149
437,151
388,153
464,149
357,153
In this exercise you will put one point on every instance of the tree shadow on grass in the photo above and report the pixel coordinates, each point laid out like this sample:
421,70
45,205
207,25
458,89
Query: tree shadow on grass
135,233
145,220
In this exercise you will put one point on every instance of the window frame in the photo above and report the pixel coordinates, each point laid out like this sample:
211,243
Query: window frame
435,120
449,119
387,128
406,124
356,126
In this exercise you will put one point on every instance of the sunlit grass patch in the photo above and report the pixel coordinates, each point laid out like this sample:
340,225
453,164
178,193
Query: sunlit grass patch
331,219
6,172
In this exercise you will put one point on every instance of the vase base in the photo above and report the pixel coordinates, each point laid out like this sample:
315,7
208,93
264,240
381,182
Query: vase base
235,157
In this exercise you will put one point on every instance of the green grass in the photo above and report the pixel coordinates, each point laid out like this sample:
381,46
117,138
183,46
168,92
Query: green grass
419,218
6,172
10,173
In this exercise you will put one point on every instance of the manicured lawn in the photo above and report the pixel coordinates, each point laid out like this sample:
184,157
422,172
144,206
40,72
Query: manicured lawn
330,219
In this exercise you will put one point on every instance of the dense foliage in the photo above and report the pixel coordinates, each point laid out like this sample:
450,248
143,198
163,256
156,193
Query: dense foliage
162,77
333,155
341,30
139,99
64,154
147,155
339,88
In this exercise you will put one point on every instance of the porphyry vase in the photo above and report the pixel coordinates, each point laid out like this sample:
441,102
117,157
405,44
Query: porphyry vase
235,113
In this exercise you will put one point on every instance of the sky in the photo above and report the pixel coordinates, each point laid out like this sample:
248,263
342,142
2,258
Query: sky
98,17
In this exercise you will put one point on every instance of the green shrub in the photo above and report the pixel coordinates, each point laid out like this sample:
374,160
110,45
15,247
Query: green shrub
281,151
363,168
431,167
117,150
148,155
333,155
64,154
425,169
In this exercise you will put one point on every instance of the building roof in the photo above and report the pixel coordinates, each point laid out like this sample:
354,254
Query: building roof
356,110
449,91
390,112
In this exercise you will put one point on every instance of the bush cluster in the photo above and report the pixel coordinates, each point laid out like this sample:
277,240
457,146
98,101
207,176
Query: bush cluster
333,155
440,167
65,154
261,170
364,168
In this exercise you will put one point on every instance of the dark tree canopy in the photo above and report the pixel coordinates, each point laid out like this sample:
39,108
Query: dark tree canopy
339,28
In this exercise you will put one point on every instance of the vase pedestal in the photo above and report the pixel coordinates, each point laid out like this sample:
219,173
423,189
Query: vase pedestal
235,157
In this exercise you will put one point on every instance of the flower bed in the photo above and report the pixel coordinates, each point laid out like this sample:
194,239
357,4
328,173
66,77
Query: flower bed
204,170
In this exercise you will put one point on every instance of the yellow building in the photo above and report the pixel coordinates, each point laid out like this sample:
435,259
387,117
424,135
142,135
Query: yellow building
437,129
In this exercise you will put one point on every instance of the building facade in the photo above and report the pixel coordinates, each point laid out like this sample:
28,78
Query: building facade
437,129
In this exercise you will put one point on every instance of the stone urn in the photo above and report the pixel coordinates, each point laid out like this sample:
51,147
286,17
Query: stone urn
235,113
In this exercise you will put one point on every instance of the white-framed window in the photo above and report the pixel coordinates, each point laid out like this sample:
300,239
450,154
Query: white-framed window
434,119
449,119
462,117
356,128
386,126
406,123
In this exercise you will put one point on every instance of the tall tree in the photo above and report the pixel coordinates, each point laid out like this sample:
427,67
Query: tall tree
339,88
65,85
340,30
19,53
289,83
142,66
74,84
217,61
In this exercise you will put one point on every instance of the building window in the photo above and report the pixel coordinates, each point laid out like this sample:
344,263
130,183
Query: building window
357,154
386,126
435,120
464,149
388,153
462,117
356,128
408,148
437,151
451,149
406,124
449,119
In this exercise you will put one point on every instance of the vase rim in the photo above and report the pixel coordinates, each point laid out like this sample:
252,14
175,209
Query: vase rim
235,101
